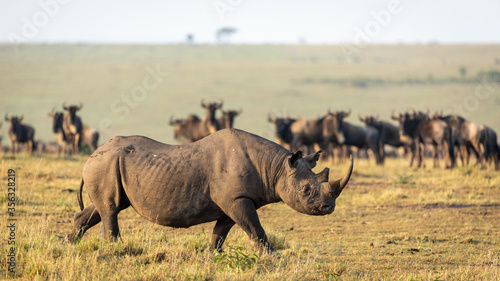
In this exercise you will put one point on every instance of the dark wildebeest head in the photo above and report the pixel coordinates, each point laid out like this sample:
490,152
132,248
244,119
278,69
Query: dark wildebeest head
282,125
332,126
179,134
211,107
371,121
307,192
410,124
72,117
226,121
14,120
57,121
209,122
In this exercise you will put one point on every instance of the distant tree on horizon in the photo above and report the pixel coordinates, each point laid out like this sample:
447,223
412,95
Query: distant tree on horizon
223,33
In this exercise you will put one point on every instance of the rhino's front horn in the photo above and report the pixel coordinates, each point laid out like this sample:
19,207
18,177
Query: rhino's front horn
338,185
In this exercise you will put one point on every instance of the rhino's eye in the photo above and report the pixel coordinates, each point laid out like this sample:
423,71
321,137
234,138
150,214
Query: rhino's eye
306,190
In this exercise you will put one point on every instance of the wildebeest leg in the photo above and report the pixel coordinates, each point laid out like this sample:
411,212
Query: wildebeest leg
479,152
460,153
30,147
435,153
448,158
84,220
422,155
381,151
419,151
77,141
244,214
413,150
219,234
294,145
465,151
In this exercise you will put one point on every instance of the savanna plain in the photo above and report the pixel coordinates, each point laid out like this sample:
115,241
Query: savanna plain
392,222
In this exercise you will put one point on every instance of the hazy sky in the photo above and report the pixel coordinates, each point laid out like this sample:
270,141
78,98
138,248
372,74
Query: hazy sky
257,21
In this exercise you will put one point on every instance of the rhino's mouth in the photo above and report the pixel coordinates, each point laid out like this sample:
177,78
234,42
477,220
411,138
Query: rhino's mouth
321,211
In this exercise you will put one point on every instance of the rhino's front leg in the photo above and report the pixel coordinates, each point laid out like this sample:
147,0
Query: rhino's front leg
244,214
219,234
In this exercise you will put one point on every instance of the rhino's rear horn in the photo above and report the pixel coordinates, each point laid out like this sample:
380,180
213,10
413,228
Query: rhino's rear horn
338,185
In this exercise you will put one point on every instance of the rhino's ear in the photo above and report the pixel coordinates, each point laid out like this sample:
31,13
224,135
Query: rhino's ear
294,158
311,159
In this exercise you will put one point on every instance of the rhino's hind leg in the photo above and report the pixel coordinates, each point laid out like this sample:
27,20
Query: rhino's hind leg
111,231
83,221
219,234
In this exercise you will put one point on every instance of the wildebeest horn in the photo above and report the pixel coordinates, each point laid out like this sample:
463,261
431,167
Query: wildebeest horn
80,107
21,119
348,113
362,118
240,111
221,103
330,112
64,106
203,103
51,114
270,118
394,116
171,121
7,117
338,185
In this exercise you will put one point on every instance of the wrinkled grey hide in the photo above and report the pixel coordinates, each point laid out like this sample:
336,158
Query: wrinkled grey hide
224,177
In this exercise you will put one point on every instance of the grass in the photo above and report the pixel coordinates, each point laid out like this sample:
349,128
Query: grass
391,223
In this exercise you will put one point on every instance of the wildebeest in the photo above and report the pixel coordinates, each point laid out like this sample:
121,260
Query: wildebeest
57,129
419,129
283,130
467,136
209,123
72,126
193,128
224,177
387,133
307,133
90,137
226,121
187,130
20,133
491,149
339,132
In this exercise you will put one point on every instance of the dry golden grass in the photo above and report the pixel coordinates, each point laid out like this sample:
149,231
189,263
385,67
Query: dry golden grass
391,223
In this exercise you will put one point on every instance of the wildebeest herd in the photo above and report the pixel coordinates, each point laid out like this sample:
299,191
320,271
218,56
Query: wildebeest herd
418,134
67,126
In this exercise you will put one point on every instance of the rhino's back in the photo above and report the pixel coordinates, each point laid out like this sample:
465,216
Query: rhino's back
173,185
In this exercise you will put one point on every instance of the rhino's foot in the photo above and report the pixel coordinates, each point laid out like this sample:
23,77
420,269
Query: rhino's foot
71,238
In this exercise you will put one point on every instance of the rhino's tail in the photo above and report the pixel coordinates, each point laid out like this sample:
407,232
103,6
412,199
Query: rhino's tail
80,201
